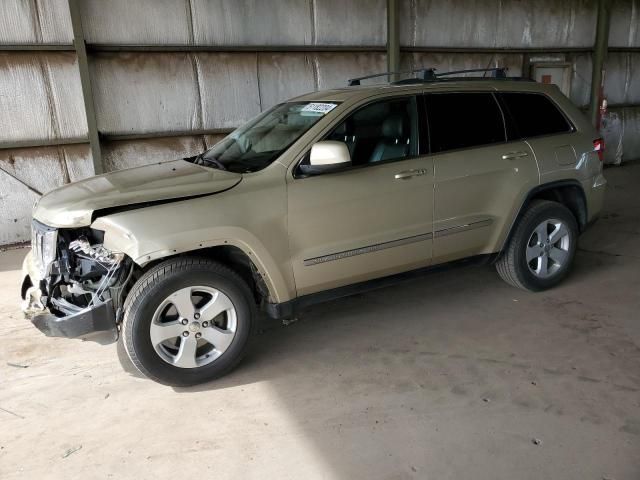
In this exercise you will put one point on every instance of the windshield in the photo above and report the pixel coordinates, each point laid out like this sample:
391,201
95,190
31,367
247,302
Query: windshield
257,144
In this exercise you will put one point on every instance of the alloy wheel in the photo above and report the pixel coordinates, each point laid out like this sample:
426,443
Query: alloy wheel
193,326
548,248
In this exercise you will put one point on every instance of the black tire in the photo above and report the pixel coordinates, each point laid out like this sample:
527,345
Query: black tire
155,286
125,361
512,264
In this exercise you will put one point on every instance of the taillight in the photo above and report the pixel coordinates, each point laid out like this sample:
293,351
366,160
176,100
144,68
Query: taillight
598,146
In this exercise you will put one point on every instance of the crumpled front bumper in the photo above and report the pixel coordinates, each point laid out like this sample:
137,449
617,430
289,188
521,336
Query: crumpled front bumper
96,323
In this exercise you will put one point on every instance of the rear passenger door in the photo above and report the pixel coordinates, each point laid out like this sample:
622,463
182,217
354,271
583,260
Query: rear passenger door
480,179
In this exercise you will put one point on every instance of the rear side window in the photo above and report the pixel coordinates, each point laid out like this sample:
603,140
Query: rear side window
463,120
533,115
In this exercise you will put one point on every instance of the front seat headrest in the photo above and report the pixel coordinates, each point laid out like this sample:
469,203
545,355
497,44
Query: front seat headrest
341,130
393,126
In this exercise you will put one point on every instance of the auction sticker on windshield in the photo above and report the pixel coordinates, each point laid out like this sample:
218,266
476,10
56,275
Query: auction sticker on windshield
319,108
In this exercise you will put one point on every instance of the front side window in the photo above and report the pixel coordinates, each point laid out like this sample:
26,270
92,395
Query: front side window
533,115
384,130
262,140
463,120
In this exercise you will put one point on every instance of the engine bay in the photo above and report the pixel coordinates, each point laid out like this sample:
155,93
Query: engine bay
82,274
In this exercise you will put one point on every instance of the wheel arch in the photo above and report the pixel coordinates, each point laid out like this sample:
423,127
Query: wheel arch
234,246
232,257
251,262
569,193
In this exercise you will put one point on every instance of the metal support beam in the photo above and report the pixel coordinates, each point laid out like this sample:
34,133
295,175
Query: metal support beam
485,50
153,135
20,181
112,47
40,47
174,48
599,58
85,81
393,39
53,142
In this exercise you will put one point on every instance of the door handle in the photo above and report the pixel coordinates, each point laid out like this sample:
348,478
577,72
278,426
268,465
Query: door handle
406,174
512,155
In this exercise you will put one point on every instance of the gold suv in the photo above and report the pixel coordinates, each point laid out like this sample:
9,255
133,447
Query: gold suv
327,194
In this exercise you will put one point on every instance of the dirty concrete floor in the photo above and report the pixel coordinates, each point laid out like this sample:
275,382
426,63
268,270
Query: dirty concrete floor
455,375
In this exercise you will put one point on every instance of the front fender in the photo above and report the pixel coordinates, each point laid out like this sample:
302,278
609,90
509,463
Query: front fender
144,247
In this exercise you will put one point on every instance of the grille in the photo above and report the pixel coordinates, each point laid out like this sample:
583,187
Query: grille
43,245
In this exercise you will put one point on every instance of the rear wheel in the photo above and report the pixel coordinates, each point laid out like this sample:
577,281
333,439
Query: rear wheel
187,321
542,248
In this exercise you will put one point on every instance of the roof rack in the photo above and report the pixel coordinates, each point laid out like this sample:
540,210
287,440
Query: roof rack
427,74
430,75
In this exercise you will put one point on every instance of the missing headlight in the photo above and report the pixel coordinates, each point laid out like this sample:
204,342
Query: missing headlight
83,249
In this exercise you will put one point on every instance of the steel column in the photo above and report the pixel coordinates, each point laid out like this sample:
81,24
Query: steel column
85,81
599,58
393,39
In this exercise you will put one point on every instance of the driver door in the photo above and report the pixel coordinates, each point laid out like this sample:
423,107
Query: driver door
372,219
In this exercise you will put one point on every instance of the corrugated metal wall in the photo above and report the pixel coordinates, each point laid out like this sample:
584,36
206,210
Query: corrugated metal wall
170,77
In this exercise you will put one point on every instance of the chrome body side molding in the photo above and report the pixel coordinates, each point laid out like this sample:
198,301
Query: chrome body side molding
367,249
396,243
463,228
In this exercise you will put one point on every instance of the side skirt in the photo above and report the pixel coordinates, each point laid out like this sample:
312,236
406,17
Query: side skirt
292,307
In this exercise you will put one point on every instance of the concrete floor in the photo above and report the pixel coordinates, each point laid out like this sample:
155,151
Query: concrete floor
452,376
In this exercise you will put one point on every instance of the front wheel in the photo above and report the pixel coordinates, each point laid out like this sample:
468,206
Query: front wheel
187,321
542,247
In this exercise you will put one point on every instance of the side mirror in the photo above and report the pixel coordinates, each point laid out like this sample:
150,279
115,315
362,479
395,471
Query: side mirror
327,156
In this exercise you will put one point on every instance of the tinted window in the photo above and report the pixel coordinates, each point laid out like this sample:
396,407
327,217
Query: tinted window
533,114
463,120
380,131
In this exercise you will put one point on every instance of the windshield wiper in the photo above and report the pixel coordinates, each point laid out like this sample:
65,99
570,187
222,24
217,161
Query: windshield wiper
208,162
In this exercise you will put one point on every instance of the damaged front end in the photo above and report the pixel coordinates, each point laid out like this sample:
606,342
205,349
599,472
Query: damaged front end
73,286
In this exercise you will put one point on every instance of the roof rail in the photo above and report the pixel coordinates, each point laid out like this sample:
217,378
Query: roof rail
430,75
500,72
427,74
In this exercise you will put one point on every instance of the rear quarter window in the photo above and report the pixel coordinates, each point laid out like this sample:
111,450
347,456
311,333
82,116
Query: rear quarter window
533,115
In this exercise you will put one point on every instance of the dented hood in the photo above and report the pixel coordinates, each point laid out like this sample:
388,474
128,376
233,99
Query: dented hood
73,205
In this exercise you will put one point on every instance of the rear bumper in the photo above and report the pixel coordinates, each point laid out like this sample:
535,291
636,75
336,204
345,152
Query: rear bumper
97,323
595,198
